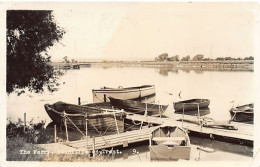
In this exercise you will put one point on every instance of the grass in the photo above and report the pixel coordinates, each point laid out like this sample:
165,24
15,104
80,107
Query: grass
22,145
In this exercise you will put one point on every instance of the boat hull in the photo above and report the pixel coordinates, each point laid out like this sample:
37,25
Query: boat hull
101,95
102,123
191,105
169,143
169,153
138,107
243,113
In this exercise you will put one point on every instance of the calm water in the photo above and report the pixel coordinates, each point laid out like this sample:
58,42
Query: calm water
222,88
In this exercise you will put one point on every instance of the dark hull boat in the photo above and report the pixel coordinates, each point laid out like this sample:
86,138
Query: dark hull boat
98,118
169,143
192,104
101,95
244,113
138,107
203,112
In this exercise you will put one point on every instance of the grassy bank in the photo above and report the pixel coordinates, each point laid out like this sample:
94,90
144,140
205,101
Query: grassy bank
34,142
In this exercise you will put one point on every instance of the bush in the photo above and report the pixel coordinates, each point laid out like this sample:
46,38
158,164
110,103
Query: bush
33,133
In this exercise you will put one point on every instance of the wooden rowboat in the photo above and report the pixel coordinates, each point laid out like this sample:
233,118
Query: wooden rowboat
76,115
101,95
244,113
191,104
169,143
138,107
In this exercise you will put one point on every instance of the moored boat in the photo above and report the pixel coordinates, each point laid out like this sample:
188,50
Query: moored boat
98,119
101,95
138,107
169,143
192,104
244,113
202,112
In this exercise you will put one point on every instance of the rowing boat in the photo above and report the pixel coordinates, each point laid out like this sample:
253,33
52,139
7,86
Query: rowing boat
101,95
202,112
192,104
244,113
139,107
169,143
99,119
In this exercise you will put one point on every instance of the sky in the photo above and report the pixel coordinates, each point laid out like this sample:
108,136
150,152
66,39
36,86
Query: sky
142,31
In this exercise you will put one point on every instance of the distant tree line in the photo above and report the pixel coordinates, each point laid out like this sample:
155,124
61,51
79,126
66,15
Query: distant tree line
198,57
66,60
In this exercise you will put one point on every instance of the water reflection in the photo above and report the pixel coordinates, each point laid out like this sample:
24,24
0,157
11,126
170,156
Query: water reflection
186,70
198,71
165,71
222,146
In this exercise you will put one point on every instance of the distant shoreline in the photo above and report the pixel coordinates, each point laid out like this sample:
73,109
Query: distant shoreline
223,65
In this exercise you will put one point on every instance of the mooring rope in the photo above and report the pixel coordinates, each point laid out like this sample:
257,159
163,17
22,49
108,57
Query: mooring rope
75,125
98,132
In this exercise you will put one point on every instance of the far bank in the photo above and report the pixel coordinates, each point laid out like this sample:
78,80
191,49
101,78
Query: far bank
221,65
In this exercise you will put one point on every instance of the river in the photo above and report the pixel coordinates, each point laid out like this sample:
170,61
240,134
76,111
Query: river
224,89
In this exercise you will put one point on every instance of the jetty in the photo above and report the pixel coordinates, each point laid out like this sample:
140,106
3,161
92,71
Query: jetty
241,134
109,141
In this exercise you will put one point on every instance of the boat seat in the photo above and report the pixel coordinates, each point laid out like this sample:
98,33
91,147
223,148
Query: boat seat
170,140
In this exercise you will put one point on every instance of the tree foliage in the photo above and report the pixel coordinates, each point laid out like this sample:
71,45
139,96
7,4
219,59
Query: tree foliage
162,57
186,58
249,58
29,35
198,57
174,58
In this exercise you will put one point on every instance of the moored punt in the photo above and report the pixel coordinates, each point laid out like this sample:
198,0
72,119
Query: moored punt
101,95
202,112
191,104
98,119
244,113
138,107
169,143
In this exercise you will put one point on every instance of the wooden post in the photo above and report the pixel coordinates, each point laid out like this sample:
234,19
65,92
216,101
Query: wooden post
150,139
24,119
160,110
93,146
105,98
183,114
66,128
55,134
199,116
86,129
116,123
79,103
146,112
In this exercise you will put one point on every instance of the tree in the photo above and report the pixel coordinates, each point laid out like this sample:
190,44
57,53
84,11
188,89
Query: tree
162,57
229,58
249,58
29,35
174,58
186,58
198,57
220,58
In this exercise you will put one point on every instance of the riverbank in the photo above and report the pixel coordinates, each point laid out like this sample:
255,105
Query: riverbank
218,65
